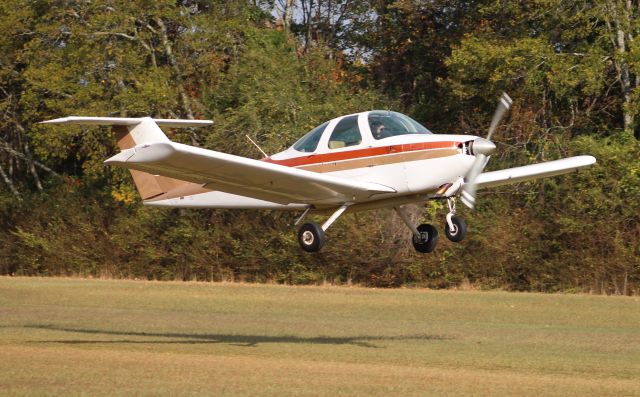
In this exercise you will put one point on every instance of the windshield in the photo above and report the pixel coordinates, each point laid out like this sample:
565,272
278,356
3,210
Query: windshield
385,124
309,142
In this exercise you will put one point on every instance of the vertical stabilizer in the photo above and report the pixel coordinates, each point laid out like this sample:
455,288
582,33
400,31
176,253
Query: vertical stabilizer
147,131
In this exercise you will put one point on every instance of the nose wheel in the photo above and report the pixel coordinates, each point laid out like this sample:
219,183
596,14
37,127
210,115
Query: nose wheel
456,228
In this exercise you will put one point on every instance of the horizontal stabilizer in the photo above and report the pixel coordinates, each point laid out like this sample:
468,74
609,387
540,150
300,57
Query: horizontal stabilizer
174,123
533,171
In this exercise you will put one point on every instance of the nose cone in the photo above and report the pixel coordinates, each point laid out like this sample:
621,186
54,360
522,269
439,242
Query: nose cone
482,146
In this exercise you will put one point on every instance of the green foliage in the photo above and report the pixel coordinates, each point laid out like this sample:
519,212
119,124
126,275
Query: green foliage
258,96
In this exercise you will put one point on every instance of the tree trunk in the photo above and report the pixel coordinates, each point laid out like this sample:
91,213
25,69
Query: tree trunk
32,168
621,19
10,184
5,146
288,16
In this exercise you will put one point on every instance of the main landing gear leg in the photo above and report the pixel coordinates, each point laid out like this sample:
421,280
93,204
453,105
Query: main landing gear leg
425,236
311,236
456,228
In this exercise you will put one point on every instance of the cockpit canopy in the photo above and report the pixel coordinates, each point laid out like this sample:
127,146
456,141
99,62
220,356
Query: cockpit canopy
350,130
385,124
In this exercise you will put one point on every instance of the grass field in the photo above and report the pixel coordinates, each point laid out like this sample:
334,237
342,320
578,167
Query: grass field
94,337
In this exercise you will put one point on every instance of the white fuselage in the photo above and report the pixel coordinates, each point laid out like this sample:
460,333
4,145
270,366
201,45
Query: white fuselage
414,165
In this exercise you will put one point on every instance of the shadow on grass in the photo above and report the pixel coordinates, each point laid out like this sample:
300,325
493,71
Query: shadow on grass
239,340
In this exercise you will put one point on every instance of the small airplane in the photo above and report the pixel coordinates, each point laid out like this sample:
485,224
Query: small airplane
363,161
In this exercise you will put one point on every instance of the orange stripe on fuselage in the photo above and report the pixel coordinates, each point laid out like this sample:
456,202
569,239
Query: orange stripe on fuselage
361,153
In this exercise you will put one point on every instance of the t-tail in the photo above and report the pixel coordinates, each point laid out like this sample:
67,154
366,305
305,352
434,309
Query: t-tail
133,132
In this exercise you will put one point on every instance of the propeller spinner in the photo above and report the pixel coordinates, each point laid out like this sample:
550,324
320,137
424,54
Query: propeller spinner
482,148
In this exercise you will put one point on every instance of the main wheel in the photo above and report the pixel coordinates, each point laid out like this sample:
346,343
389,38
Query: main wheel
428,238
459,230
311,237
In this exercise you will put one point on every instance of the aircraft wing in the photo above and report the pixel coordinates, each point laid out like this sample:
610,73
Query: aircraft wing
533,171
243,176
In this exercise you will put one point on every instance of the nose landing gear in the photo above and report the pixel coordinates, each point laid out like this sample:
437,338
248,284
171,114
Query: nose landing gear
456,228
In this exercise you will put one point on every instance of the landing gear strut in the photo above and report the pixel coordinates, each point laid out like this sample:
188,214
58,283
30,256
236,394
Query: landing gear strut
425,236
311,236
456,228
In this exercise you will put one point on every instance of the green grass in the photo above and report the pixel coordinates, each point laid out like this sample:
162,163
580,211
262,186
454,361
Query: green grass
94,337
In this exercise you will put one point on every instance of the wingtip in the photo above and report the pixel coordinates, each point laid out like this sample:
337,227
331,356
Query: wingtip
55,121
586,160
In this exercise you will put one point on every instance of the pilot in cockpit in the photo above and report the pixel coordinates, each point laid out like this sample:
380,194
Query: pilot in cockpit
379,130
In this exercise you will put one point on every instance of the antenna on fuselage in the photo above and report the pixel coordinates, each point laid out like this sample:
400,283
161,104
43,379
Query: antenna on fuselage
256,145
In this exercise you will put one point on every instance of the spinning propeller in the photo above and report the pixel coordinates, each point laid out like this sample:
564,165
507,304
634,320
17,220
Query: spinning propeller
482,148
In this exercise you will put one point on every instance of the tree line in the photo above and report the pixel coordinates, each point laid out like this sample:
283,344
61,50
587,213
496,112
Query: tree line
275,69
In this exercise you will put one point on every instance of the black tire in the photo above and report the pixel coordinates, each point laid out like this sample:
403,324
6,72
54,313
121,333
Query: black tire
428,242
311,237
459,231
